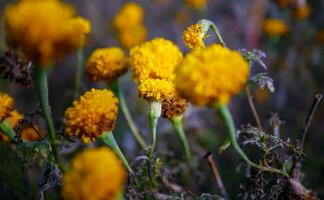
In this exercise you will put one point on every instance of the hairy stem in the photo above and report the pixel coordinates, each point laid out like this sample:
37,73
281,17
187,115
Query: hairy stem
123,105
252,106
177,124
154,115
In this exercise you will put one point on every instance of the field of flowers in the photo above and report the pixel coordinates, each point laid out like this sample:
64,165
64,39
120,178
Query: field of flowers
161,99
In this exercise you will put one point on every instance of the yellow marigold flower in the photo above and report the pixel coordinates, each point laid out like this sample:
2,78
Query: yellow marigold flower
302,12
131,14
42,29
106,64
193,36
275,27
155,59
6,105
172,107
94,113
13,118
197,4
211,75
95,174
80,27
156,89
134,36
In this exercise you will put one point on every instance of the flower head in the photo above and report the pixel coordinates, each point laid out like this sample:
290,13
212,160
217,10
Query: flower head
42,29
197,4
94,113
194,36
275,27
106,64
302,11
155,59
13,118
156,89
131,14
80,27
94,174
133,36
211,75
6,105
173,107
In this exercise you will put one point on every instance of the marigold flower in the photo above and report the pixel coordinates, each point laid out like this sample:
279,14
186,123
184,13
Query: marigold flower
42,29
95,174
130,15
194,36
211,75
197,4
155,59
106,64
275,27
156,89
6,105
283,3
172,107
302,12
133,36
13,118
80,27
92,114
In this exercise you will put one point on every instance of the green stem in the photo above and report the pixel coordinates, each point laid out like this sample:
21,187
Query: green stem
123,105
79,71
218,35
227,117
42,91
207,24
177,124
109,140
154,115
7,129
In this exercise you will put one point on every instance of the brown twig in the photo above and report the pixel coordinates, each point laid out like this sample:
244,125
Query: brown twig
309,118
216,176
255,113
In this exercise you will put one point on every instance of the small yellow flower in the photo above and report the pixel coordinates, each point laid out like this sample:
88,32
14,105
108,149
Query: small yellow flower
42,29
106,64
133,36
80,27
211,75
131,14
6,105
302,12
155,59
197,4
275,27
94,113
156,89
13,118
95,174
193,36
173,107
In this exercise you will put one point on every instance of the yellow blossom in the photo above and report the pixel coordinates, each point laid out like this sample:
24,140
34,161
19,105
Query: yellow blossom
13,118
275,27
106,64
193,36
211,75
92,114
131,14
42,29
80,27
133,36
95,174
197,4
155,59
302,12
156,89
6,105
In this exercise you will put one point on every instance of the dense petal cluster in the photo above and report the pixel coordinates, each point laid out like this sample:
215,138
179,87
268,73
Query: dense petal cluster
197,4
211,75
275,27
106,64
13,118
94,113
6,105
173,107
95,174
129,25
193,36
43,30
156,89
155,59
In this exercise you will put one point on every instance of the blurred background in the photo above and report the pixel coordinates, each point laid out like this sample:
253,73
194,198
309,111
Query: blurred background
294,59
